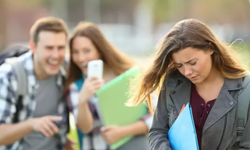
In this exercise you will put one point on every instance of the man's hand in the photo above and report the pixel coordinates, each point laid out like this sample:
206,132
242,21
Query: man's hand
46,125
112,134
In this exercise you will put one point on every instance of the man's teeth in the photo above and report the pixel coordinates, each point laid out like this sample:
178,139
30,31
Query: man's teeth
53,62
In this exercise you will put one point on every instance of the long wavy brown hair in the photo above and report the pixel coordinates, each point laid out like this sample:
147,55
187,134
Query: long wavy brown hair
186,33
115,59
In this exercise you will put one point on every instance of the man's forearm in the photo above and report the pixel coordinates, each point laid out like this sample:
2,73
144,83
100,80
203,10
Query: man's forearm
11,133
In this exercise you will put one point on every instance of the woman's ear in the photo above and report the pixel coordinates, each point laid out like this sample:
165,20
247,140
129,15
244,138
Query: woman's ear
211,52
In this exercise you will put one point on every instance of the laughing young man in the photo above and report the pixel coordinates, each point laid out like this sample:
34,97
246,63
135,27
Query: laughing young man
43,105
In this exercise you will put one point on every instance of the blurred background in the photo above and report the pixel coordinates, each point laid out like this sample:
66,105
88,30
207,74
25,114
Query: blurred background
134,26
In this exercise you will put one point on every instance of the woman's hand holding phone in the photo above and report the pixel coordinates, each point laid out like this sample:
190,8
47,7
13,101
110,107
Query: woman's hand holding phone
90,87
93,82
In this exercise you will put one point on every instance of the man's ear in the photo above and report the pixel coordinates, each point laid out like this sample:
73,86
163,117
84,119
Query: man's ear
32,46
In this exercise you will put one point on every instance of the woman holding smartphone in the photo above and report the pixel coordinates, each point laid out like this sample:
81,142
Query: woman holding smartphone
86,44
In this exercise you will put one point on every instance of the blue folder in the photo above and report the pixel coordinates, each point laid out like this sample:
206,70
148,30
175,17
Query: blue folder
182,134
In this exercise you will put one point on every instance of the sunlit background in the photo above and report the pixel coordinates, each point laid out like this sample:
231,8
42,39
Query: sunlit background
134,26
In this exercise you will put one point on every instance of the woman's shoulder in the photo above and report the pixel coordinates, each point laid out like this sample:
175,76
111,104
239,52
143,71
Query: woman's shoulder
247,76
246,80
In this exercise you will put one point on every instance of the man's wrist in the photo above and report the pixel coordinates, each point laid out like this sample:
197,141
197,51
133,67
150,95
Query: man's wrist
29,124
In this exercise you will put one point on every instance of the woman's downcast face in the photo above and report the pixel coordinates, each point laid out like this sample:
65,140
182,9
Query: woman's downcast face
195,64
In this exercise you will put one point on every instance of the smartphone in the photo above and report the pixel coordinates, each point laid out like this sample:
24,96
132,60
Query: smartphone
95,68
60,123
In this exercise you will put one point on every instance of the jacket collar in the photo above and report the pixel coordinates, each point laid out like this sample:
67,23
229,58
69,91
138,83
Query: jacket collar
183,89
181,94
230,84
223,104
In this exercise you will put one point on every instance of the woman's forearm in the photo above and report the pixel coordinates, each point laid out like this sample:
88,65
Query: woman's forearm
84,118
136,128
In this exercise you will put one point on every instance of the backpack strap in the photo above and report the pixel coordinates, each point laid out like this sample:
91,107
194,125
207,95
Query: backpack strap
22,88
242,107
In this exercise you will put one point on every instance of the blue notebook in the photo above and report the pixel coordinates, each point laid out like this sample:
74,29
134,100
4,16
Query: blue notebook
182,134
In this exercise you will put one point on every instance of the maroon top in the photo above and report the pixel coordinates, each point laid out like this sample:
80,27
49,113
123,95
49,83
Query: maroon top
200,111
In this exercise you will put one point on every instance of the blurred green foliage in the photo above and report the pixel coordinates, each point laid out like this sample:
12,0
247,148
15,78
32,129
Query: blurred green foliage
243,51
209,11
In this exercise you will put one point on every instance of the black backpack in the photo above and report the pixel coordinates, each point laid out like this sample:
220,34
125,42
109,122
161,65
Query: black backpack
12,52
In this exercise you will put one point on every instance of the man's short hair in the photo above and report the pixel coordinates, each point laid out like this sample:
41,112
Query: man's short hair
51,24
